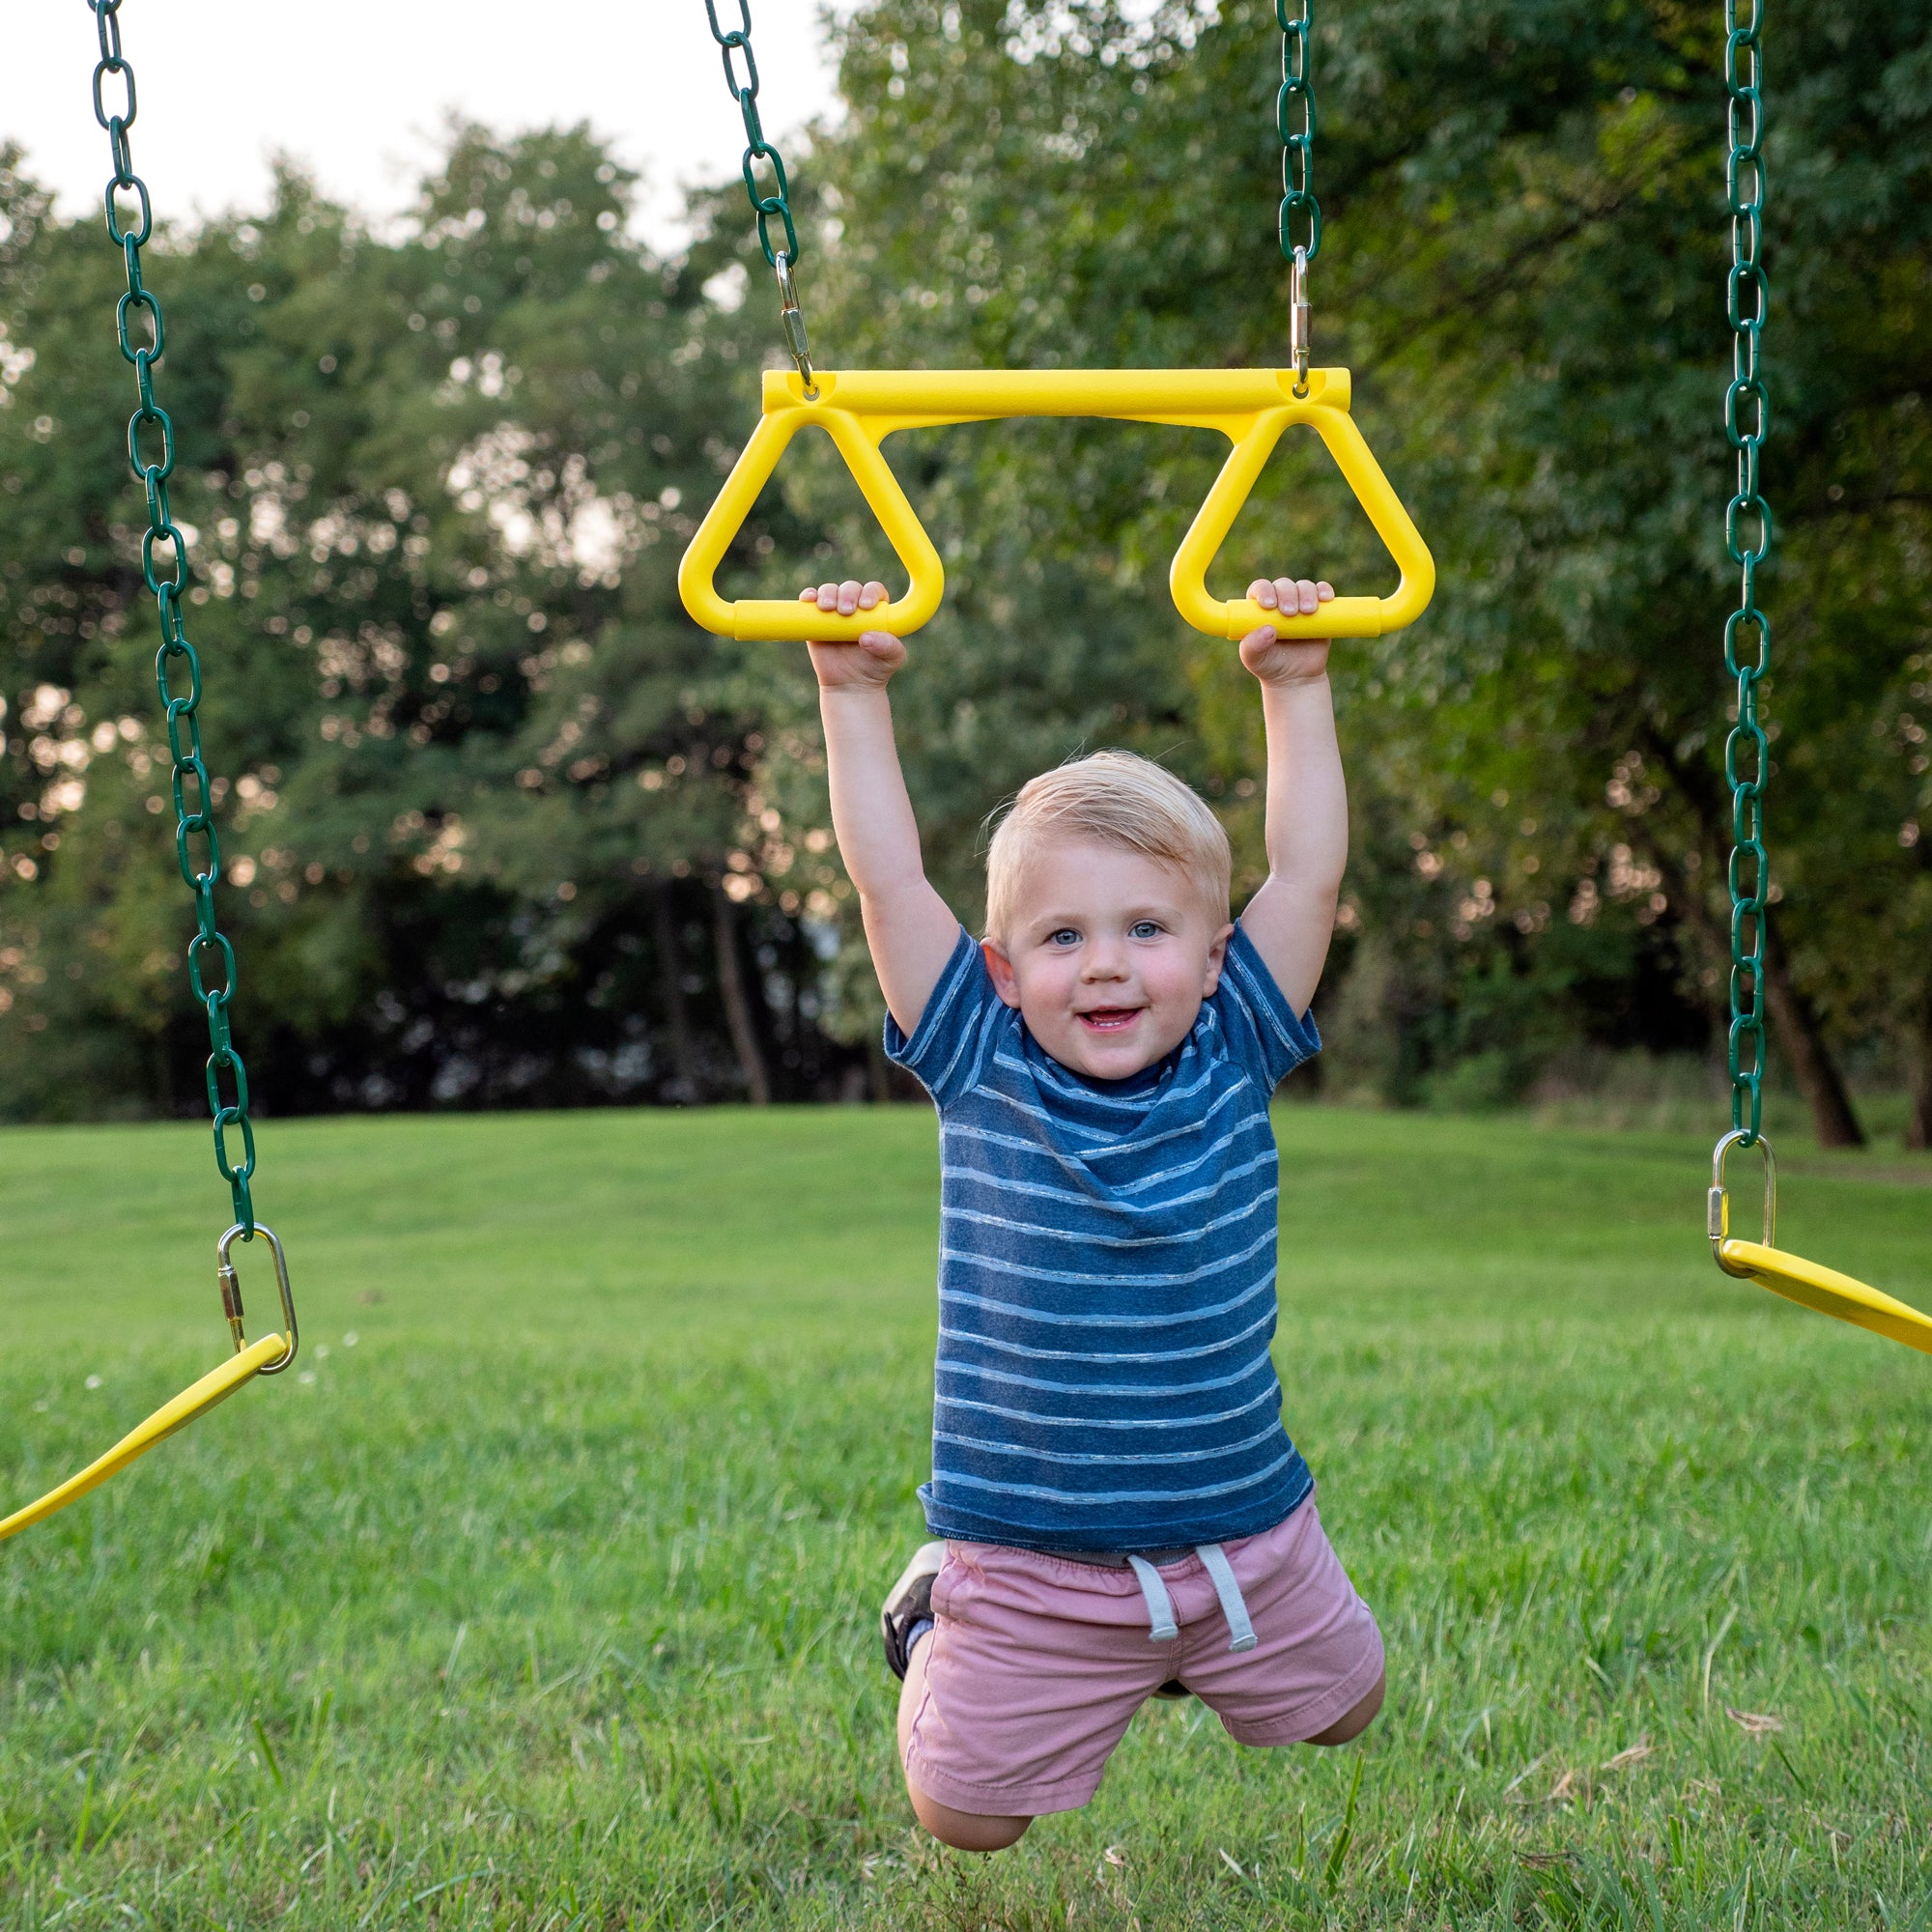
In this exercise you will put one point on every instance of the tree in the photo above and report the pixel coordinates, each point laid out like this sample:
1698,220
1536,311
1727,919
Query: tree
1523,260
480,780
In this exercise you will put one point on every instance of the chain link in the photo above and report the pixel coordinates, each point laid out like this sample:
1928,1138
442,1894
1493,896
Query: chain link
130,224
1294,122
1298,222
734,47
1748,533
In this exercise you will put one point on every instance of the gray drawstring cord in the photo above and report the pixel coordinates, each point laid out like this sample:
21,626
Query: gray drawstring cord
1240,1629
1161,1627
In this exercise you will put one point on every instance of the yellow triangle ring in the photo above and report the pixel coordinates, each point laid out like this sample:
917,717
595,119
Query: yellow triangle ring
858,408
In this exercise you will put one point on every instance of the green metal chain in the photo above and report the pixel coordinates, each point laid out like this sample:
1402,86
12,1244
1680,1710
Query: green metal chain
1298,223
757,149
1294,122
1748,541
196,846
784,260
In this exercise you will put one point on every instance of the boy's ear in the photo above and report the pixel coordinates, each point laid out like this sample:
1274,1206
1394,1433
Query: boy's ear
1000,970
1217,953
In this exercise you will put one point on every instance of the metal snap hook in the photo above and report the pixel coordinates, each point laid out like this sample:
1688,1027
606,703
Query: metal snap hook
231,1292
1719,1205
1298,322
792,317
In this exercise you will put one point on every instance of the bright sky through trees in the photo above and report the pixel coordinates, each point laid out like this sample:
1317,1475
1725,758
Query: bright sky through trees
359,92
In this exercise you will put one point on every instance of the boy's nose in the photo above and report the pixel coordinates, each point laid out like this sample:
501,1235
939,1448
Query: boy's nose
1103,961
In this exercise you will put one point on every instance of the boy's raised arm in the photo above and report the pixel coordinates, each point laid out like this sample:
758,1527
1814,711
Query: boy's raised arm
910,929
1292,918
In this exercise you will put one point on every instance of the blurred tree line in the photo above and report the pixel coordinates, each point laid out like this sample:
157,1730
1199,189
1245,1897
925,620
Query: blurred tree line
503,828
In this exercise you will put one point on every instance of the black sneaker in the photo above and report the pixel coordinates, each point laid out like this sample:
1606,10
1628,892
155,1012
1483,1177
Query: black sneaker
908,1603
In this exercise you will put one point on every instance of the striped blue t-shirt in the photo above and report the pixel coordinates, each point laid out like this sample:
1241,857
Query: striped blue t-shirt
1107,1275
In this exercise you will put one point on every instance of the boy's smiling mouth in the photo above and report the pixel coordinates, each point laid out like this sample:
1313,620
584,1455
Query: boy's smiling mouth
1110,1019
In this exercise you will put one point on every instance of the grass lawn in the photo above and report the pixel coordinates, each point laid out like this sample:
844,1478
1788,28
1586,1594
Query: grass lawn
545,1595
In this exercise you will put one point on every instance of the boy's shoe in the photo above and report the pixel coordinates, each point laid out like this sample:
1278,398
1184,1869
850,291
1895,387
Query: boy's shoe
909,1603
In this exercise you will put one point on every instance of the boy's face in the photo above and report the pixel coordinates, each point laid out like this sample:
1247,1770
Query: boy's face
1109,957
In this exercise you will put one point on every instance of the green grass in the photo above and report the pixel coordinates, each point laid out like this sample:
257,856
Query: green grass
549,1602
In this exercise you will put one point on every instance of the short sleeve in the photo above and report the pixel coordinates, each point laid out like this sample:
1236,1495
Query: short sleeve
1259,1026
946,1048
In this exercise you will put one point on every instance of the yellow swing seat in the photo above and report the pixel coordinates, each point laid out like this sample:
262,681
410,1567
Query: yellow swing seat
1809,1284
269,1356
858,408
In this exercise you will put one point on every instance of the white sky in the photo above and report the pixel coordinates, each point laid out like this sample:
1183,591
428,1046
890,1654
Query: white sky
359,90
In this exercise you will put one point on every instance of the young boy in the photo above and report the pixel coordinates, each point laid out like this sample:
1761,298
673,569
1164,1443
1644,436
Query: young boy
1122,1513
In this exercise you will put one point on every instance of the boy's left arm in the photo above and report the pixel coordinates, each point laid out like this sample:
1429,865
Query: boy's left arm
1291,917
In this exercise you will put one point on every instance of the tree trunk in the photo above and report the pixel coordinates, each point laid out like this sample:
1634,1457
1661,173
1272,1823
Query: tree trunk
163,1064
1919,1128
1817,1073
1799,1033
732,990
670,979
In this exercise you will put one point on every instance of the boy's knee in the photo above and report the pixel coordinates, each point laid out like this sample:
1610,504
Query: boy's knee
965,1831
1354,1722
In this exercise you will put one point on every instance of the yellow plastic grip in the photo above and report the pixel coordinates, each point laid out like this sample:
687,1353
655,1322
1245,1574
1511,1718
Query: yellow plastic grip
1814,1286
194,1401
858,408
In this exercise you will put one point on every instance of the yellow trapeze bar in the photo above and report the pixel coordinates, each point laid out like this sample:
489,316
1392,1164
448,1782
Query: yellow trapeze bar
269,1356
858,408
218,1385
1809,1284
1826,1290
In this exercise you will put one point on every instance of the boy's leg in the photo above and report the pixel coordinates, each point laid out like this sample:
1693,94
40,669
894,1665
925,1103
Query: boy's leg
964,1830
1317,1674
1351,1725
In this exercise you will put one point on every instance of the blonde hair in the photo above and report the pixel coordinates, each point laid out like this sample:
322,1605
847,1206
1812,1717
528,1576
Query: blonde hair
1114,798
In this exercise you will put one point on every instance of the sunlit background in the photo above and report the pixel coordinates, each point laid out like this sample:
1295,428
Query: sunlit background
358,91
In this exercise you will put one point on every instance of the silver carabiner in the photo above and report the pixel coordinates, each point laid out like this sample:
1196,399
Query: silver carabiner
1298,321
792,317
1718,1207
231,1292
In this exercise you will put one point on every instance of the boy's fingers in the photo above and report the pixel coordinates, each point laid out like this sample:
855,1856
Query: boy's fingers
848,596
1261,592
1305,591
1265,635
1286,596
809,595
873,593
1324,590
828,596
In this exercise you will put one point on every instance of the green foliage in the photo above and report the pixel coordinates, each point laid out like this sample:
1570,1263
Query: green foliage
552,1596
515,832
1524,262
479,777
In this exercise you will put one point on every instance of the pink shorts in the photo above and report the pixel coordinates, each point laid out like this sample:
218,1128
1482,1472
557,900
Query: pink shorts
1037,1664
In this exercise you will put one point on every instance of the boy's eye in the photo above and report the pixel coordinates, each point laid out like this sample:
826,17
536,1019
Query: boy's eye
1066,936
1145,928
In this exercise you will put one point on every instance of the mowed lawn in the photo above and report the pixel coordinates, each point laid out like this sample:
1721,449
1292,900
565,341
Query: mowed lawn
544,1595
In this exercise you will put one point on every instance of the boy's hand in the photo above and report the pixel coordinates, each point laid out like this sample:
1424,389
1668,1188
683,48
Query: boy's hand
1298,660
872,658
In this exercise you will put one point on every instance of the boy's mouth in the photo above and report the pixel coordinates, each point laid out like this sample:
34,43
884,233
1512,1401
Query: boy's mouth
1108,1019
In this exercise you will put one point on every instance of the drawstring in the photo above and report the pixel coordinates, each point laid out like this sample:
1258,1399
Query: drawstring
1161,1627
1240,1629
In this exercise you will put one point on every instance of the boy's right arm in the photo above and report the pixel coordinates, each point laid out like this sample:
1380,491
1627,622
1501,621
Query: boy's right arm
910,929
